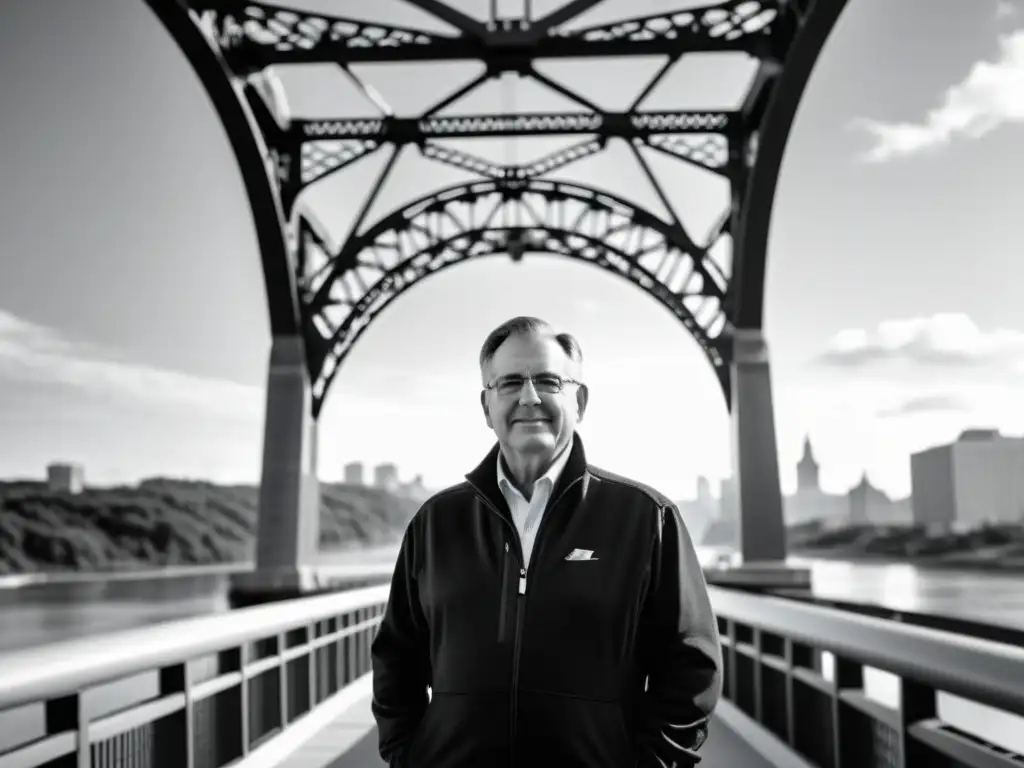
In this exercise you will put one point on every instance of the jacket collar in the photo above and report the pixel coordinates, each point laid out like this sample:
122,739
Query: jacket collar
550,478
485,477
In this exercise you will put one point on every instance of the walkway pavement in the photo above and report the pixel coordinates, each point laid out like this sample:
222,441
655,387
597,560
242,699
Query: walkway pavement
350,741
724,749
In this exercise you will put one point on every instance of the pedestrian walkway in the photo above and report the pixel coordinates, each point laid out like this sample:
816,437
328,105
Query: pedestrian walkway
724,749
363,754
350,741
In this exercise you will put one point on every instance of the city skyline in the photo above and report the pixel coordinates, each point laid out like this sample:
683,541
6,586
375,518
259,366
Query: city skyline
371,473
133,334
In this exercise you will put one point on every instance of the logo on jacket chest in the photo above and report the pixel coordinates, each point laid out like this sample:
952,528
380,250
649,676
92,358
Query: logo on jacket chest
581,554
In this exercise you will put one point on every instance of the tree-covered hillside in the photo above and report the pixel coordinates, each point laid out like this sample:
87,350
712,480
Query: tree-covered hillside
170,522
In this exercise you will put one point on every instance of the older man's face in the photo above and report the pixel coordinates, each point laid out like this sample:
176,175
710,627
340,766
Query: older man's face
528,421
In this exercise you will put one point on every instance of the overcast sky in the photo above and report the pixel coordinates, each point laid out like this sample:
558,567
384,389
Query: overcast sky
133,325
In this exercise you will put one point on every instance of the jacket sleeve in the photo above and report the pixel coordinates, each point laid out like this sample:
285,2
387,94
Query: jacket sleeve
400,658
679,650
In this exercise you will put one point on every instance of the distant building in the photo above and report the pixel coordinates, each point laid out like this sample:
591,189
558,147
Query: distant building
977,479
65,478
704,490
729,506
415,489
862,504
872,506
722,528
354,473
385,477
810,502
807,470
698,513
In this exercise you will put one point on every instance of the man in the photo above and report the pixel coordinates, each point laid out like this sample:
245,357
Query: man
537,598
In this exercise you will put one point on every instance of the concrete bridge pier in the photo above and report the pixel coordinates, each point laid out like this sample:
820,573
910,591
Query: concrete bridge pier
757,504
287,540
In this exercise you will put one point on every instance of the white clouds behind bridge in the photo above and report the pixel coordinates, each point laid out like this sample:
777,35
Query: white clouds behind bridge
990,96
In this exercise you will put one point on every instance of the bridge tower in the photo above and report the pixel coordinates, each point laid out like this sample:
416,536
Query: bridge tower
322,297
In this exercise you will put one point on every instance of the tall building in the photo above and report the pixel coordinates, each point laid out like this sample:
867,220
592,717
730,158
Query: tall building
977,479
700,512
703,490
729,503
354,473
385,477
65,478
810,502
807,468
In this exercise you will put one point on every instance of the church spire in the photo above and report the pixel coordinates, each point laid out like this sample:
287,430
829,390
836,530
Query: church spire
807,469
808,451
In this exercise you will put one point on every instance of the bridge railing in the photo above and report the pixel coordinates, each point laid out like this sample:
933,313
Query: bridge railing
201,693
197,693
774,673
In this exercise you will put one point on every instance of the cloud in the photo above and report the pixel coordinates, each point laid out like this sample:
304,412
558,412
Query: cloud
32,353
992,94
935,403
902,386
1005,9
943,340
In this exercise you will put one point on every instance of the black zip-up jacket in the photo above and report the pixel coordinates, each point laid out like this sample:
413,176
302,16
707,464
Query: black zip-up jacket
546,666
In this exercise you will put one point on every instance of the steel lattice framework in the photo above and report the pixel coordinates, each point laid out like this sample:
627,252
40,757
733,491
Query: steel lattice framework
331,294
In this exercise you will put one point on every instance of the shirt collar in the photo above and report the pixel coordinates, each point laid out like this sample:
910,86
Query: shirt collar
549,478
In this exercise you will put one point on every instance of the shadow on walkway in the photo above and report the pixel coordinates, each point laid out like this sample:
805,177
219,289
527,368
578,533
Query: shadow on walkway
724,749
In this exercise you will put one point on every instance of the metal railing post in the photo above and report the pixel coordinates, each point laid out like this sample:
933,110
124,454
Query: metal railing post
66,713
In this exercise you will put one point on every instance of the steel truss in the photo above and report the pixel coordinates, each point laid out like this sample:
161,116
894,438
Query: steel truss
331,294
345,291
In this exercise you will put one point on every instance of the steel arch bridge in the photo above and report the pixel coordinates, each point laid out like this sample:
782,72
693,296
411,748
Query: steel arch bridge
488,218
322,296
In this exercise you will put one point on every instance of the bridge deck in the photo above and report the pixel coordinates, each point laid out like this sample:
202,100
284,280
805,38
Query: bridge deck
350,741
724,749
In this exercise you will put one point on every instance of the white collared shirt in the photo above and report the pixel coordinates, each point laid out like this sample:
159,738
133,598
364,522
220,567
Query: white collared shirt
527,514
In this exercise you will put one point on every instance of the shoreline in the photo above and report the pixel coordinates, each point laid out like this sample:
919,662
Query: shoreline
347,557
925,563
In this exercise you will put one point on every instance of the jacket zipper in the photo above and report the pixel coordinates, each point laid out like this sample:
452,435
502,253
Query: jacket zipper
504,595
520,603
515,651
515,668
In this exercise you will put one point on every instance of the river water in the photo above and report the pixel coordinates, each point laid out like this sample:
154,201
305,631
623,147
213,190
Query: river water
34,617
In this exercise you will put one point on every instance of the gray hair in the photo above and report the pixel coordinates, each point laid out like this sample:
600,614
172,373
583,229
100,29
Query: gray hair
518,326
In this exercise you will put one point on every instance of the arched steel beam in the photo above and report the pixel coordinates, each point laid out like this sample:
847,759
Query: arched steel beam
252,156
754,222
359,321
329,343
598,199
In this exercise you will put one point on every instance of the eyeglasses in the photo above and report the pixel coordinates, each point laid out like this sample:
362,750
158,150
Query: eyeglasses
544,383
